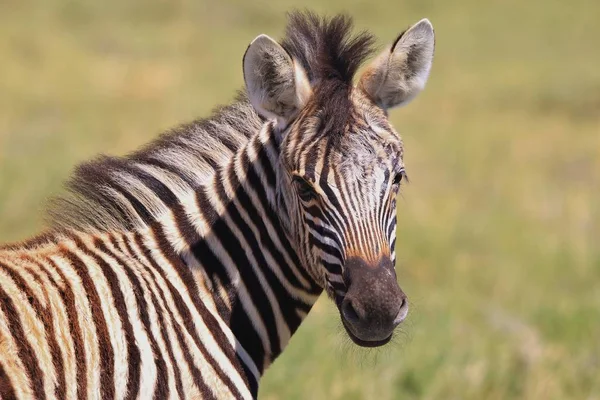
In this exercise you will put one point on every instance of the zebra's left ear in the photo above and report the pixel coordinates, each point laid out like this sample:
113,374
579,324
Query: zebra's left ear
277,85
398,74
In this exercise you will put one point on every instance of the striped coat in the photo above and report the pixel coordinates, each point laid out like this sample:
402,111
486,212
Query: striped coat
147,313
183,269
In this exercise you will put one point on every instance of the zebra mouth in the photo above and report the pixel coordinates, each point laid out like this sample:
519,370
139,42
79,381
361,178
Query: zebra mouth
365,343
358,341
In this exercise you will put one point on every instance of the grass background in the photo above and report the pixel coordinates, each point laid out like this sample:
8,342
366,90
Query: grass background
498,229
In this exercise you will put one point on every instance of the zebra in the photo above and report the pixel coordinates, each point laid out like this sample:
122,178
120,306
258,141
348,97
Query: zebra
183,269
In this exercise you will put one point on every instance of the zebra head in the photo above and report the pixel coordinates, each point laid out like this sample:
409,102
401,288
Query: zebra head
340,160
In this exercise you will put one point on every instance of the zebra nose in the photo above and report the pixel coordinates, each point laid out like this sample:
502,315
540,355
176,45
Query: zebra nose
370,325
373,305
349,312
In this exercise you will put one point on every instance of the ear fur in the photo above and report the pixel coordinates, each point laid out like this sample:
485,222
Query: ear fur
277,85
398,74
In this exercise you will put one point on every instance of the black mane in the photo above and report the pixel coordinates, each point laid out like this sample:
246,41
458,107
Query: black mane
110,193
330,54
325,47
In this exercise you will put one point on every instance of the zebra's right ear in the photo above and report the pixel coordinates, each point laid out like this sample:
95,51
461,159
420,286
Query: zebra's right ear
277,85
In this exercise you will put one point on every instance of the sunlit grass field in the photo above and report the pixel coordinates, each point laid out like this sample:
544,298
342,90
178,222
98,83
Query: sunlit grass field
499,228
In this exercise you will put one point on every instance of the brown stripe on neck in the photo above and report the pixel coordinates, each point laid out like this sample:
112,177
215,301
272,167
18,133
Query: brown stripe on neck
68,299
162,389
7,390
106,353
161,310
25,352
44,313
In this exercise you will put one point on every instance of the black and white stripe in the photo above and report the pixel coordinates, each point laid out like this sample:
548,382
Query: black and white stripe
183,270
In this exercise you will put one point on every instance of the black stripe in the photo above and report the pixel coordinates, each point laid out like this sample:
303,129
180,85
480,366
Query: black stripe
139,208
271,217
134,370
222,233
34,373
44,313
102,247
71,309
265,162
170,169
170,200
188,279
335,269
189,233
332,218
106,353
240,322
327,248
7,390
284,299
391,227
185,351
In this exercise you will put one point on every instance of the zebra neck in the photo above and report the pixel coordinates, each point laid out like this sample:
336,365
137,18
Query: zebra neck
243,260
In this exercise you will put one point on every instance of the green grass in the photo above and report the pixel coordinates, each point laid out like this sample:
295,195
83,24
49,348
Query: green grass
498,229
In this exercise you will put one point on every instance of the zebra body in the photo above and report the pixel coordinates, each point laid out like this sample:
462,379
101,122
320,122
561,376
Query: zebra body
183,270
155,309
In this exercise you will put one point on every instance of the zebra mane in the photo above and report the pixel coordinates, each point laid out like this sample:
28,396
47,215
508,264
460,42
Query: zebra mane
325,47
330,54
124,193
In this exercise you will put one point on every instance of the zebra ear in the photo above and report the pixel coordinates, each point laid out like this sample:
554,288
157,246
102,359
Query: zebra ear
398,74
277,86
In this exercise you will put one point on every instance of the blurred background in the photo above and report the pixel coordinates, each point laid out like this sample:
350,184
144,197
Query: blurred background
499,228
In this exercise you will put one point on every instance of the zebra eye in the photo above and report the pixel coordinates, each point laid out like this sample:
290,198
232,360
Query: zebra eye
398,178
305,190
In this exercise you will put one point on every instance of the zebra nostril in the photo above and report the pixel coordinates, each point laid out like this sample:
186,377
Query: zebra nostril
402,313
349,312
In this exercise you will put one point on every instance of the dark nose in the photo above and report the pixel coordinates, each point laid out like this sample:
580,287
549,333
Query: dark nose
374,304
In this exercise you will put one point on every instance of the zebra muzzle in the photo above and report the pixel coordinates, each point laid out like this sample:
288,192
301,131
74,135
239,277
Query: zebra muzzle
374,305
